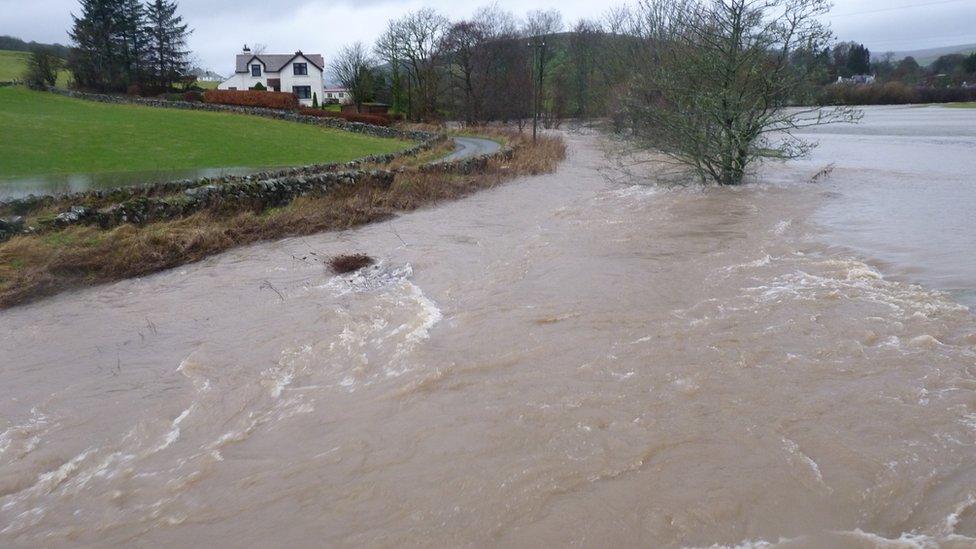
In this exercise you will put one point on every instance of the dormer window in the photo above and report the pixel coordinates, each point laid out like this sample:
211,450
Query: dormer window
256,69
301,69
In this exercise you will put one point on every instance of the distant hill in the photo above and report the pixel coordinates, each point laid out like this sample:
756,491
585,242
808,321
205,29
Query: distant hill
11,43
203,74
927,56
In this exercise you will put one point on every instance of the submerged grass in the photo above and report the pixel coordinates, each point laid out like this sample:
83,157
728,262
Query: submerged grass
36,265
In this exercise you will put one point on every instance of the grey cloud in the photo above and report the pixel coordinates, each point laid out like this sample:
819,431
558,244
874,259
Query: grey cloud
222,26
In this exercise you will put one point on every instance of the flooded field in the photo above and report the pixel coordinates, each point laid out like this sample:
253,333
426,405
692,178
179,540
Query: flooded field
573,359
905,184
20,187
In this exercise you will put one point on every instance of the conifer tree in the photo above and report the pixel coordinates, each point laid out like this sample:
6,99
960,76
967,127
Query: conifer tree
133,39
167,42
94,60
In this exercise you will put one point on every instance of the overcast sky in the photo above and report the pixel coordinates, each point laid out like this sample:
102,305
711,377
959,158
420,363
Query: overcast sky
221,27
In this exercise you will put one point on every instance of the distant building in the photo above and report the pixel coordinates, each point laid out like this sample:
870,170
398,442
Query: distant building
298,72
206,76
857,79
336,95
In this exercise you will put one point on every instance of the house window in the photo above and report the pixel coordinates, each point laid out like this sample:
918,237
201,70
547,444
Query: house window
301,69
255,70
303,92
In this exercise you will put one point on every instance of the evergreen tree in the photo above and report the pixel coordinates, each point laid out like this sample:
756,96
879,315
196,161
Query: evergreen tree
95,60
167,42
132,39
859,59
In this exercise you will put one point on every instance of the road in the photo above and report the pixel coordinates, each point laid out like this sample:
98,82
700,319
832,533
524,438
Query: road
470,147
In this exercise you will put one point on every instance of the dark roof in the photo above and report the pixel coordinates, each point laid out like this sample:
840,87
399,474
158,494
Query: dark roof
273,62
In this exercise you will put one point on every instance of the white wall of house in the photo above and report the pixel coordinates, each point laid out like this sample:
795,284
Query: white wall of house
290,82
337,95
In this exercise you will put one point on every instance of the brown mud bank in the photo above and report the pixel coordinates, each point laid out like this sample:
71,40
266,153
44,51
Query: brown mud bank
37,265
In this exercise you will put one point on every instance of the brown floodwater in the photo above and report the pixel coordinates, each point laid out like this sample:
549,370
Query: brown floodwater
571,359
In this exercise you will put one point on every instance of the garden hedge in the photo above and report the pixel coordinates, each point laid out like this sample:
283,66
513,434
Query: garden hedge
252,98
372,119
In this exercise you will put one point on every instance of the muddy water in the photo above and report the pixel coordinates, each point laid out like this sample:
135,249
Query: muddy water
904,184
570,359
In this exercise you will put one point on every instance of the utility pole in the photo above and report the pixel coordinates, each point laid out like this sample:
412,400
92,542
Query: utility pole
538,46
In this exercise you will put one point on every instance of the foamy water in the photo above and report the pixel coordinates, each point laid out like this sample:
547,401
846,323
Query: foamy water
565,360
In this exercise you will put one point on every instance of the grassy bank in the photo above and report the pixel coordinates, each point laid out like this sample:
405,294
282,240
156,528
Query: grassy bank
970,105
49,134
43,264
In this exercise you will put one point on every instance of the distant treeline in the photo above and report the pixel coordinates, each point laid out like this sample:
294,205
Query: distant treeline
498,66
894,93
16,44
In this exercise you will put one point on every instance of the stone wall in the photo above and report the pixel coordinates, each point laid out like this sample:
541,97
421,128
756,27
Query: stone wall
21,206
253,195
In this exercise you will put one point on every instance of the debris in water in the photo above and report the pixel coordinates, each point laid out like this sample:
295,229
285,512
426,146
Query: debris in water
348,263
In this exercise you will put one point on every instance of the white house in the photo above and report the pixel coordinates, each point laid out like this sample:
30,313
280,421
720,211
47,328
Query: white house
298,72
205,75
336,95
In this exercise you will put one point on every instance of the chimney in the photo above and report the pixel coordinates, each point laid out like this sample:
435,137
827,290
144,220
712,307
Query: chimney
247,50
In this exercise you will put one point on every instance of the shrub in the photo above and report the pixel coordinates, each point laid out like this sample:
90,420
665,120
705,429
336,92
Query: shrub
371,119
251,98
315,100
259,87
374,119
192,96
42,69
133,89
308,111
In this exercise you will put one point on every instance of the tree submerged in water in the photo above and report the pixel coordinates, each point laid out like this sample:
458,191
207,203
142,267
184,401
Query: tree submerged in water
715,81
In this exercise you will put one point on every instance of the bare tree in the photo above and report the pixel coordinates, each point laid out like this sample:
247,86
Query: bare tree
584,57
418,37
352,68
464,43
540,26
714,83
387,49
506,81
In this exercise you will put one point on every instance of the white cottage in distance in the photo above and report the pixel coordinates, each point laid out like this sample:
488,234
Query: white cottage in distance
299,73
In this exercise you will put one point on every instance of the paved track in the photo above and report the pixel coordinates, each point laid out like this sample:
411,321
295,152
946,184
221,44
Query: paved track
470,147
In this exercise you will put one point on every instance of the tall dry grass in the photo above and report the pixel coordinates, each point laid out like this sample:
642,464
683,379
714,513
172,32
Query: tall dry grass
36,265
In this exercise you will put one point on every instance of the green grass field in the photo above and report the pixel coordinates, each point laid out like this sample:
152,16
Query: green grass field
14,63
50,134
970,105
207,85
